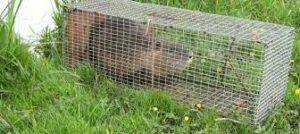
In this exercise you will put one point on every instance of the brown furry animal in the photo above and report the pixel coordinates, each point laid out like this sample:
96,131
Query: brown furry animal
131,52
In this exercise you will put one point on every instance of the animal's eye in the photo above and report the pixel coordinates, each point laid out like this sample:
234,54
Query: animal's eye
158,45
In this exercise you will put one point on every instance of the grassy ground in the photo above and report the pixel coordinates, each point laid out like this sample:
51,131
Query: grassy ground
41,96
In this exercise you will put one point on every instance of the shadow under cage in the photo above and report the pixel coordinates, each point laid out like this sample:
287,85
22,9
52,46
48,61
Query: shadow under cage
227,63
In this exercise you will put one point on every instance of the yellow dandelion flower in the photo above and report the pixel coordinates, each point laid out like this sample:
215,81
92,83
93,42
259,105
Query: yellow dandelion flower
186,118
154,109
251,54
199,106
219,69
297,92
203,60
292,61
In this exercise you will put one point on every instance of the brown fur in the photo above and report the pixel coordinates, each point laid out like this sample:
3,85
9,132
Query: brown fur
131,52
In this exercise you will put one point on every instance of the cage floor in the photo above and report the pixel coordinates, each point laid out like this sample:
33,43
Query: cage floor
223,100
220,99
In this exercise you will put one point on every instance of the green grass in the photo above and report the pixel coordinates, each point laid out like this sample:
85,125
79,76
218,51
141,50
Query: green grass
39,95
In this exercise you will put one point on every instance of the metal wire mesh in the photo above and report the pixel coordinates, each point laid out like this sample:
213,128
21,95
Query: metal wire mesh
224,62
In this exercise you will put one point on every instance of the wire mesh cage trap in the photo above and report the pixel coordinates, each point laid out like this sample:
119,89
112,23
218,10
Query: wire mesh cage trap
223,62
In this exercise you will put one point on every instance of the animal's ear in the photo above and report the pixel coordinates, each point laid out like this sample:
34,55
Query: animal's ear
158,45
